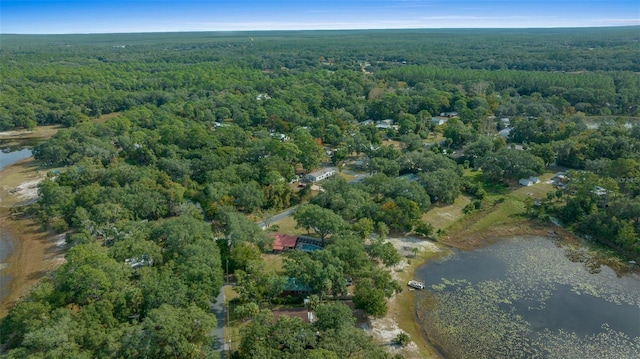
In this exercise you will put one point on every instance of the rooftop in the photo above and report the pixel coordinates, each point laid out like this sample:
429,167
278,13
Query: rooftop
280,241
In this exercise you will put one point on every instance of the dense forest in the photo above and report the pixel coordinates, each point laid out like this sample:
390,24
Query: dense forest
210,129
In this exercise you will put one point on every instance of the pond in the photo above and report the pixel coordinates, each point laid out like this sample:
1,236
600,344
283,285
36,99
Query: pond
523,298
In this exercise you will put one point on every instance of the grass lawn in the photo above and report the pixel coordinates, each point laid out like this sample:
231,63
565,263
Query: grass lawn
287,225
272,262
538,191
346,176
442,216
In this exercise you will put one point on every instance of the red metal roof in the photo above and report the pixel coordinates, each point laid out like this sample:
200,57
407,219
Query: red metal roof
280,241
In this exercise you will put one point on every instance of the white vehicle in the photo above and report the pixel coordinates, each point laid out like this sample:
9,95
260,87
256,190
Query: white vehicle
416,284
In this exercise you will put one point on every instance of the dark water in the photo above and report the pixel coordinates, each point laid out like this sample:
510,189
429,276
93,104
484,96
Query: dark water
522,298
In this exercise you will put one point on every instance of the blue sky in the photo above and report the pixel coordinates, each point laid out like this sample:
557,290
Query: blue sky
92,16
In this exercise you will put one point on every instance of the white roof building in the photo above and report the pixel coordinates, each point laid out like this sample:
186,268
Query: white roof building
321,174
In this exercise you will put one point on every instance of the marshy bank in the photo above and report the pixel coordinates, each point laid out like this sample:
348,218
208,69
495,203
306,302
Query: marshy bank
26,252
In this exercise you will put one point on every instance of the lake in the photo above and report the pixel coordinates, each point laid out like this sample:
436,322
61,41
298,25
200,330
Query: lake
9,156
523,298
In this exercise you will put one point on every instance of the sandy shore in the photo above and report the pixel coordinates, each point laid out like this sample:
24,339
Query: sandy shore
399,317
35,252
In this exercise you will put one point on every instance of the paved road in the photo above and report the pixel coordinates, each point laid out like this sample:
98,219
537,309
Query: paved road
217,308
279,216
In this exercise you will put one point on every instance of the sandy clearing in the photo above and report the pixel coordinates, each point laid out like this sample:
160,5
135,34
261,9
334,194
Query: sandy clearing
405,246
387,328
13,133
26,190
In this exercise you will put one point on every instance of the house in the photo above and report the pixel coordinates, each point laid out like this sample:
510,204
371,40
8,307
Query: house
438,121
321,174
366,123
283,242
505,121
383,126
449,114
525,182
529,181
295,288
505,132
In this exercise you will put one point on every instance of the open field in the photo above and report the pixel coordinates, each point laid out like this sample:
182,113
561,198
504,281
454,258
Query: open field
442,216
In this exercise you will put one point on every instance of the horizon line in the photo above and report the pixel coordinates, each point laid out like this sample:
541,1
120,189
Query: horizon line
329,30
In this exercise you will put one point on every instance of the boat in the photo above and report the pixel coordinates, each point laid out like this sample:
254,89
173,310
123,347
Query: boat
415,284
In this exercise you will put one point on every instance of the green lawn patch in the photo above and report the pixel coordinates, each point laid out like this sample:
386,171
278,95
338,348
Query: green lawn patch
442,216
273,262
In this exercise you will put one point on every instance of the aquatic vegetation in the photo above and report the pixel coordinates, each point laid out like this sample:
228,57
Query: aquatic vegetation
492,317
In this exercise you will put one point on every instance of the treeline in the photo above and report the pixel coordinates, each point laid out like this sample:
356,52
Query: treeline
590,92
66,79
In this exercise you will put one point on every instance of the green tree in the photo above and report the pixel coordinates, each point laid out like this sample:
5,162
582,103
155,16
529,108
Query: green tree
334,316
544,151
370,299
443,185
310,153
249,196
171,332
320,270
364,227
384,251
323,221
402,339
507,164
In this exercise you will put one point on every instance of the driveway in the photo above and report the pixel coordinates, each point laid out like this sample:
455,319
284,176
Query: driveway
217,309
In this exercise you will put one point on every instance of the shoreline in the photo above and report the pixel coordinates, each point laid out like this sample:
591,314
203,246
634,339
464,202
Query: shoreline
403,305
34,251
466,241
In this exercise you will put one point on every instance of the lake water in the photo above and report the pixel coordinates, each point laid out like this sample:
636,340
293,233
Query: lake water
523,298
12,156
8,156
